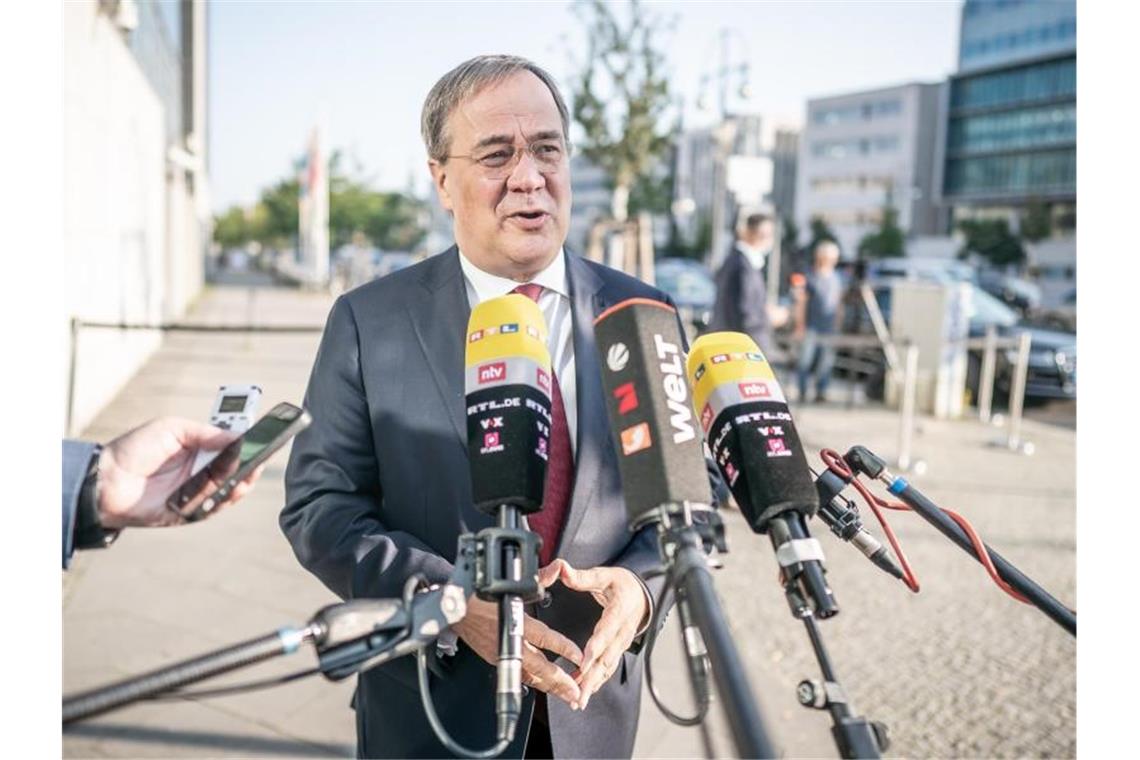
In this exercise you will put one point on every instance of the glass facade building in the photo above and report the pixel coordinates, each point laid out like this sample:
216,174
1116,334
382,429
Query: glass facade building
1012,132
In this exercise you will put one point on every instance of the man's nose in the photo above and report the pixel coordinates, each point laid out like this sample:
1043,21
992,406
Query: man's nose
525,177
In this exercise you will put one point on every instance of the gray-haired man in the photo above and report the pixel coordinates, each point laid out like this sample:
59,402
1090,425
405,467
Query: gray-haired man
378,488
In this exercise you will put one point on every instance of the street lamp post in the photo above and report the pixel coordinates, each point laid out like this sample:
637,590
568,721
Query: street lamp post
725,132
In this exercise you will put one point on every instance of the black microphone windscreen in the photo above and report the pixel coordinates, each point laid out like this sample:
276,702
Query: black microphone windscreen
508,386
749,428
660,456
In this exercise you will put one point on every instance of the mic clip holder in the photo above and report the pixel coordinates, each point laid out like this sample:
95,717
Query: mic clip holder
491,579
672,518
355,636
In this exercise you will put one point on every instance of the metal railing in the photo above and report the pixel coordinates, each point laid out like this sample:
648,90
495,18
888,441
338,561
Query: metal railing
77,325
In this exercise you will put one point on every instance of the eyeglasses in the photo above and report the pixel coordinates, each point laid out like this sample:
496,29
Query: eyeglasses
499,161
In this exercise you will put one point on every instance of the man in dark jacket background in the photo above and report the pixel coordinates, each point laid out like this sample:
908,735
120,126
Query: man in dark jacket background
741,282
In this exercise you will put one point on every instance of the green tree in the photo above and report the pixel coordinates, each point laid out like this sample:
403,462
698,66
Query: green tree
886,242
621,96
399,223
993,240
281,214
230,228
1036,221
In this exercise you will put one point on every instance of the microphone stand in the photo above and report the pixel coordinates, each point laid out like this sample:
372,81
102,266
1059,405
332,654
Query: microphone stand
855,736
348,637
354,636
862,459
808,595
684,544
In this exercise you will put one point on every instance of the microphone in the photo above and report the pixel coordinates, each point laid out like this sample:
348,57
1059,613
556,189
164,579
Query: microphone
508,389
745,416
660,454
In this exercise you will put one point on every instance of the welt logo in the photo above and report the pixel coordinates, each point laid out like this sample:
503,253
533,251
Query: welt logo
490,373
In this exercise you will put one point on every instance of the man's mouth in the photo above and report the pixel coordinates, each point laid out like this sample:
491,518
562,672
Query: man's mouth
530,220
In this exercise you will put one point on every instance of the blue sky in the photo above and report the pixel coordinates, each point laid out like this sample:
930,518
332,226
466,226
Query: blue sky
277,68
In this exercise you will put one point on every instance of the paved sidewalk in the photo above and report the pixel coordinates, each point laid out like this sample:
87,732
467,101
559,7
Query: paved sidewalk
958,670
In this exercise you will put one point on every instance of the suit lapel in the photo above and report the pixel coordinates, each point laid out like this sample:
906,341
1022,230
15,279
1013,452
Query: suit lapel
440,323
593,426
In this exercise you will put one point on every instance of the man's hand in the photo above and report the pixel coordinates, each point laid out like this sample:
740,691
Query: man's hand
624,607
139,470
479,628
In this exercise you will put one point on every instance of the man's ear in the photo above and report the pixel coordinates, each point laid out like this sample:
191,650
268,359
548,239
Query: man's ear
439,179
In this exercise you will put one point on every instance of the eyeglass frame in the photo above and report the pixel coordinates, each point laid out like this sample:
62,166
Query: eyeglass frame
516,157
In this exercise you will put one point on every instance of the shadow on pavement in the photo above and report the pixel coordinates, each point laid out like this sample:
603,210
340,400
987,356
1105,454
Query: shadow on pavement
209,739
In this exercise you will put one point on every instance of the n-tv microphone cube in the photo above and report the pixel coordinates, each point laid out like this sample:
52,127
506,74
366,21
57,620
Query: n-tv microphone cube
745,418
656,438
509,386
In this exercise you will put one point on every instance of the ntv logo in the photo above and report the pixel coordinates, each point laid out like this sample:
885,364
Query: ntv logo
489,373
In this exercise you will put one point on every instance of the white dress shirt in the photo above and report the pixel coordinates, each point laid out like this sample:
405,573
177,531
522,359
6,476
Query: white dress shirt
554,303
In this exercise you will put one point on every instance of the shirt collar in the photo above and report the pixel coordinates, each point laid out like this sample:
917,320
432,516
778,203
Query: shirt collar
487,285
755,256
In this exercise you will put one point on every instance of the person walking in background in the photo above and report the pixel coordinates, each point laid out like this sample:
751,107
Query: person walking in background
741,283
817,318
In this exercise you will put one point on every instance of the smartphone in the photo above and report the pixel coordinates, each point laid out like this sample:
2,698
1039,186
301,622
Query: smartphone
197,497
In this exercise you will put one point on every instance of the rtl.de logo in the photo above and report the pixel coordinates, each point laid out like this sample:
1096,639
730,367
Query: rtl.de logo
489,373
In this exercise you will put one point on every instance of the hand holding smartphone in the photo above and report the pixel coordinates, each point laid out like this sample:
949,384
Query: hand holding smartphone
212,485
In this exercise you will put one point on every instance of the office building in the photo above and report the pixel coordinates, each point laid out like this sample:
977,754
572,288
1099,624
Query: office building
1011,126
999,32
136,216
862,152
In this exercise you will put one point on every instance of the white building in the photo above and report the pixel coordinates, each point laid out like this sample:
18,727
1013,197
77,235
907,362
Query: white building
863,151
136,219
760,168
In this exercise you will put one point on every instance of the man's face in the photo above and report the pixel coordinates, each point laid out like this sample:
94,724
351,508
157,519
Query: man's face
762,237
513,221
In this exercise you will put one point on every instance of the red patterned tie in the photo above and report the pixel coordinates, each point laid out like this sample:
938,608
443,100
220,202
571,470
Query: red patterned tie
559,467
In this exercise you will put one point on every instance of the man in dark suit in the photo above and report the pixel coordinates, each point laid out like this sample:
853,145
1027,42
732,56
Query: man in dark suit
741,283
378,488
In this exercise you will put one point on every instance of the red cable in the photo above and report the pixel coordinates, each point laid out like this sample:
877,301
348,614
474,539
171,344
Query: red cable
838,465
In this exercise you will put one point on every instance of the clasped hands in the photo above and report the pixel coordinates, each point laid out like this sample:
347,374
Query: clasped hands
624,608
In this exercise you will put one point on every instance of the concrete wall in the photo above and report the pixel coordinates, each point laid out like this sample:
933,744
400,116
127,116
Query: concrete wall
131,231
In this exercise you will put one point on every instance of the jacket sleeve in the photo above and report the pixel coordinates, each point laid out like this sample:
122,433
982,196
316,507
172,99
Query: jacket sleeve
76,457
333,496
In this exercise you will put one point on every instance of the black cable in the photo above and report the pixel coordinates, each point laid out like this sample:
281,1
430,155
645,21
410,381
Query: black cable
236,688
651,642
437,725
410,587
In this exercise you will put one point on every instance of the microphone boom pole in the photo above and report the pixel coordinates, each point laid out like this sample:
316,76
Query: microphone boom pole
665,484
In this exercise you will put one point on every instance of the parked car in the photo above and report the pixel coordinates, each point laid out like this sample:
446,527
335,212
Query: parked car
1015,292
691,286
1052,368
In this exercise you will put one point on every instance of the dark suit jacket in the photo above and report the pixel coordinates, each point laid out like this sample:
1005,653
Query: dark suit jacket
378,488
742,299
